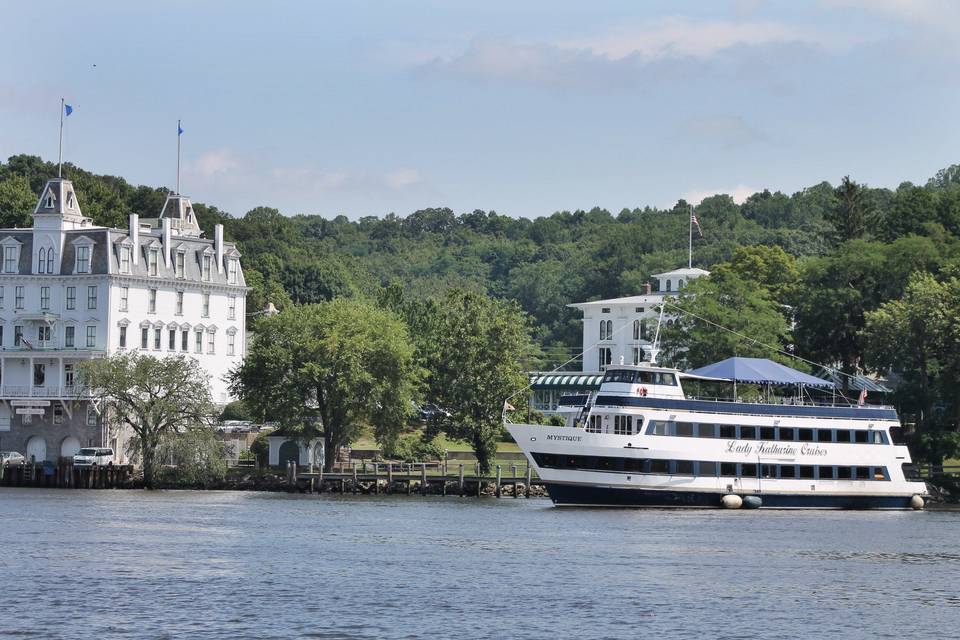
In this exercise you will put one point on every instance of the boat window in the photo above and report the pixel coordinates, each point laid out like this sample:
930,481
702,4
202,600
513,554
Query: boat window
728,431
878,437
667,379
805,435
707,468
787,434
862,437
620,375
880,473
659,466
657,428
748,433
706,430
910,471
768,471
634,465
766,433
863,473
806,472
748,470
595,424
644,377
788,471
684,468
825,473
728,469
623,425
843,435
896,434
844,473
824,435
685,429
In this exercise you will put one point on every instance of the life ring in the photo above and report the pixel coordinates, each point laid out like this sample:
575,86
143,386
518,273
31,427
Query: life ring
642,391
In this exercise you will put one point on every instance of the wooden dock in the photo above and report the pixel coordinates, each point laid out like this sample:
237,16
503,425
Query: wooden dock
65,476
415,478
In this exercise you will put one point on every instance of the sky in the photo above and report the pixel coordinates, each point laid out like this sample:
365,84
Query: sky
365,108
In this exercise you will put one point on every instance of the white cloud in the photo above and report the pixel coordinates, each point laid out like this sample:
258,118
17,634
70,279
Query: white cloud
680,37
659,49
940,14
217,162
739,194
402,178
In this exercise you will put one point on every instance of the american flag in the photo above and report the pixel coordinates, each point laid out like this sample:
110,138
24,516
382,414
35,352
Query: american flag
863,397
696,223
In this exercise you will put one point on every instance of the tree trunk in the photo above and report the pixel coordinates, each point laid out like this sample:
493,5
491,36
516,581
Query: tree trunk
147,452
330,450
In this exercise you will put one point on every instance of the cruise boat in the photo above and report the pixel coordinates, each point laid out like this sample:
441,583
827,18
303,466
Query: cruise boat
640,441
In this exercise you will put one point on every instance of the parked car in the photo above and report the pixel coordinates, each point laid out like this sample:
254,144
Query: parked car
93,457
10,458
430,411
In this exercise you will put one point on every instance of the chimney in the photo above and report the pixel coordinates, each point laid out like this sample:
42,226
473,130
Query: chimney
647,289
135,237
218,246
166,242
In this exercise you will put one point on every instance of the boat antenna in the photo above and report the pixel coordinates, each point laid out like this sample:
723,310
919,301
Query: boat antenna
655,347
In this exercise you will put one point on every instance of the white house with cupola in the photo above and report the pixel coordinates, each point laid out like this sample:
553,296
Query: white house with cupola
615,331
70,291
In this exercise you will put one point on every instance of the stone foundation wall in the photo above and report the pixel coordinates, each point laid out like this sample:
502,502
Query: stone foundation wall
18,438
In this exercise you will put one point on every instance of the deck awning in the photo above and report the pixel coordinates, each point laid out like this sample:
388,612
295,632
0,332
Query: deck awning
567,381
758,371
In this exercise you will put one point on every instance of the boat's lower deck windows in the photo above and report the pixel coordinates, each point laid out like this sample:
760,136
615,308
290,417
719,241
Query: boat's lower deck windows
594,424
709,468
751,432
623,425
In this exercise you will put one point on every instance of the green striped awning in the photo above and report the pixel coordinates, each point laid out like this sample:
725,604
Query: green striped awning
571,381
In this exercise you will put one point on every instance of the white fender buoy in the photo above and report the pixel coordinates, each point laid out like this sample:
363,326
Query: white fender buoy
731,501
752,502
916,502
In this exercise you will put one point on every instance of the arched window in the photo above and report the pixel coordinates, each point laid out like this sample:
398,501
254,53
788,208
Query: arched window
603,330
609,329
49,203
50,260
636,329
679,284
669,285
42,261
643,329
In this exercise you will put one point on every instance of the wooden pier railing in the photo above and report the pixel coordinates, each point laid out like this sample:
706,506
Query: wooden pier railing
423,478
64,476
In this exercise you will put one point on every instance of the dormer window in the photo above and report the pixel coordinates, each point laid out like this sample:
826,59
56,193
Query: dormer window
206,262
70,200
83,260
180,263
232,271
153,258
11,255
49,202
125,259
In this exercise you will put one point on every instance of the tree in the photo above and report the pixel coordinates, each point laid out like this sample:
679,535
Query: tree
476,365
16,202
153,397
849,215
330,368
917,337
724,300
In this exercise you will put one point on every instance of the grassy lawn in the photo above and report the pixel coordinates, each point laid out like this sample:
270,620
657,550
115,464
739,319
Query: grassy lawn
367,442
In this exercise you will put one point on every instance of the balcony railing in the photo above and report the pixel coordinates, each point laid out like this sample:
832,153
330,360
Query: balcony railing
47,345
44,391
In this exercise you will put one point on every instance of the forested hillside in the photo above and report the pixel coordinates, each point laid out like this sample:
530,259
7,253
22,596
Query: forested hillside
832,261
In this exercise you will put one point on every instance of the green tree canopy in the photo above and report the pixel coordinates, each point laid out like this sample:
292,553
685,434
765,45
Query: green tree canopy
153,397
330,368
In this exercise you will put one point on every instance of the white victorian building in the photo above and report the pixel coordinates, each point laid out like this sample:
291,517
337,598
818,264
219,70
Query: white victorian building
70,291
618,330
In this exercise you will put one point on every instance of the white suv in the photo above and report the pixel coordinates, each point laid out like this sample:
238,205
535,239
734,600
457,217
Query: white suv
93,457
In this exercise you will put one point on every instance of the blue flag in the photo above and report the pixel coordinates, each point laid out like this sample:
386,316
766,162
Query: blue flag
68,109
179,129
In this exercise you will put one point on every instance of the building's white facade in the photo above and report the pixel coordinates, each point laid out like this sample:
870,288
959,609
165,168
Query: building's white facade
70,291
615,331
624,327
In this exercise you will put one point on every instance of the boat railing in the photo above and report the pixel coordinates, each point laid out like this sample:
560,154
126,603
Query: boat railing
787,402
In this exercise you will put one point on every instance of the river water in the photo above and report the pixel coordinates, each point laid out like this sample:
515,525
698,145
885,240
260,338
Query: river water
128,564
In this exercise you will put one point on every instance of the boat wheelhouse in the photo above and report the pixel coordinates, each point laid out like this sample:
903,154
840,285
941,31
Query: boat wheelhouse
639,440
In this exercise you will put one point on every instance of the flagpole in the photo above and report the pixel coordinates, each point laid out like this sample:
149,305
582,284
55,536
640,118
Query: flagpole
690,240
60,152
178,157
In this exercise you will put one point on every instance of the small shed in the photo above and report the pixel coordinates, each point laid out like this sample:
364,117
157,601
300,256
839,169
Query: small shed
285,448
